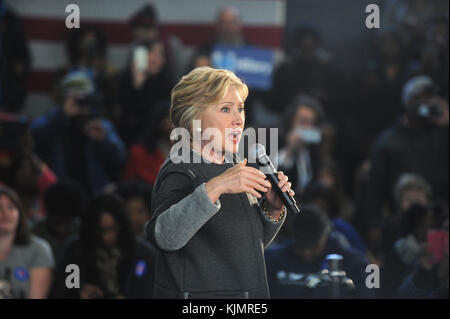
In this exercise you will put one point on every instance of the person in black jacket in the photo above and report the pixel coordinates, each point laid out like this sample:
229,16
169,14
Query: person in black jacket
15,60
207,224
146,81
418,144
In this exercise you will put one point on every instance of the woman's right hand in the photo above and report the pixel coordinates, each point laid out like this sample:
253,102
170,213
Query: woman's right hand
139,77
238,179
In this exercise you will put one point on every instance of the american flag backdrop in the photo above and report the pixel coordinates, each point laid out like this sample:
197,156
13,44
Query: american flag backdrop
187,22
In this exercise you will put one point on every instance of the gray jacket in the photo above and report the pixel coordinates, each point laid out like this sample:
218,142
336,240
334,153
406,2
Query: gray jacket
205,249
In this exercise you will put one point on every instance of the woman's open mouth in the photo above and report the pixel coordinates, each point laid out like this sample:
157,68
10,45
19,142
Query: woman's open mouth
235,136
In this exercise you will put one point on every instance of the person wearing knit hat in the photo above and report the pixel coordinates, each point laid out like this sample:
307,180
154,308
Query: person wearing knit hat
144,24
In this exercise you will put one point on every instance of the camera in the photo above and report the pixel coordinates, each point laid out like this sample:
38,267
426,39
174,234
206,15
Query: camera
429,111
310,135
88,102
140,58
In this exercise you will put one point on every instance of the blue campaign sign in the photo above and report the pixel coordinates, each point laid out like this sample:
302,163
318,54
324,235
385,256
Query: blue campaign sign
253,65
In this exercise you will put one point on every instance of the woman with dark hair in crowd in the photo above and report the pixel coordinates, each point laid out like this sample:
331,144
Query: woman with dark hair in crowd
146,80
112,263
26,261
302,154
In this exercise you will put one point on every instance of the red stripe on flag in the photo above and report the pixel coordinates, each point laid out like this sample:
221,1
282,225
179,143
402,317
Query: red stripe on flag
52,29
41,81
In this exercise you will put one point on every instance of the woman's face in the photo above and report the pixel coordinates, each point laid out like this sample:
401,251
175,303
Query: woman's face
411,197
9,216
227,117
139,214
109,229
305,117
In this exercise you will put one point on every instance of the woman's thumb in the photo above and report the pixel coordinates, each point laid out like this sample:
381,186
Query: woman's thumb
244,162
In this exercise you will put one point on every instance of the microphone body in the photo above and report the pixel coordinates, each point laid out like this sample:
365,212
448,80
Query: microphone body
287,200
272,175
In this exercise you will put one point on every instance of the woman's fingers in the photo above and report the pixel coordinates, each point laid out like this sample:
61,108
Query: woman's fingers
259,187
250,190
286,186
283,179
261,181
255,171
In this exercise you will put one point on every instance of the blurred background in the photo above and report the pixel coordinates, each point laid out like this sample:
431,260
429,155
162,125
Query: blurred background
363,133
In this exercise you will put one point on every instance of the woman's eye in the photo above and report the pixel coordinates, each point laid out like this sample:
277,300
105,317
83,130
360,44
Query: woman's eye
225,109
241,109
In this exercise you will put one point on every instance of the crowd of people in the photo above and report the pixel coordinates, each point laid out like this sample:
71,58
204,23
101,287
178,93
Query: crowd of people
368,160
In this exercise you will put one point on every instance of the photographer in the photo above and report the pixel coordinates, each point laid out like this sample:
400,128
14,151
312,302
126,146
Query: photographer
417,144
75,141
302,154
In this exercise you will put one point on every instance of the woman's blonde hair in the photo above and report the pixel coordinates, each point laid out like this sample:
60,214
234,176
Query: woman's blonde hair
199,89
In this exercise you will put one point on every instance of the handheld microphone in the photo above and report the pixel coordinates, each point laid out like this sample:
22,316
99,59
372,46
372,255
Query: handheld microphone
257,152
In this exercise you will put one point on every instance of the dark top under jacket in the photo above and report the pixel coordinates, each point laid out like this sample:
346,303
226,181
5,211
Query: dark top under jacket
207,250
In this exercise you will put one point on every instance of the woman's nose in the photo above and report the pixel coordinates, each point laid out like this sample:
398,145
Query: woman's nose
238,119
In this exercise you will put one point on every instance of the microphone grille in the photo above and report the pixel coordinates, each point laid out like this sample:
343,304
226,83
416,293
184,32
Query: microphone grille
256,151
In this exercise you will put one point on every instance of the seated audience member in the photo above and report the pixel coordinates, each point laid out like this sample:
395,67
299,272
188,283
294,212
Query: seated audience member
112,263
381,86
145,27
411,189
26,261
301,156
20,168
64,204
434,53
145,81
406,251
75,141
15,60
326,198
144,24
417,144
313,240
228,31
429,277
137,196
86,50
151,150
307,69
